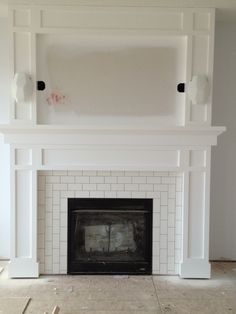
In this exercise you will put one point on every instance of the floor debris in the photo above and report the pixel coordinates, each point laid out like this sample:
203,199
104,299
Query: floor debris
70,289
56,310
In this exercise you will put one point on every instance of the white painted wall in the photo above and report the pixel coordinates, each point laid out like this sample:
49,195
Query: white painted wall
4,154
223,189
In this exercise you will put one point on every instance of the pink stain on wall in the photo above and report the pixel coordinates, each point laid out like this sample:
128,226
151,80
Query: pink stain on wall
56,97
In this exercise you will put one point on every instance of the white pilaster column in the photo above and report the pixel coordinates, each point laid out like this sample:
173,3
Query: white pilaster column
195,256
23,258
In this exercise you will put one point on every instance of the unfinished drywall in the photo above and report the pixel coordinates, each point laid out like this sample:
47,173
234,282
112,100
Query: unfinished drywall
110,80
223,188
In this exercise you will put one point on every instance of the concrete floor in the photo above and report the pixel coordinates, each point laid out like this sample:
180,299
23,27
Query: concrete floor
123,295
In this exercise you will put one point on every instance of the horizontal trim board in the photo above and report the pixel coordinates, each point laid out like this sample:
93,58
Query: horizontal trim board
108,157
112,18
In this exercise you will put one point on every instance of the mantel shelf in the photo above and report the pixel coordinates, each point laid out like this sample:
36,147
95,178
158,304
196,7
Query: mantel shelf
44,135
75,129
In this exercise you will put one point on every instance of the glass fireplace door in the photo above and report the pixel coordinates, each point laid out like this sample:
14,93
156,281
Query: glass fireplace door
109,236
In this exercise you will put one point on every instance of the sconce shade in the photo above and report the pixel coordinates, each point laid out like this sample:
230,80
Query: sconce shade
22,87
199,89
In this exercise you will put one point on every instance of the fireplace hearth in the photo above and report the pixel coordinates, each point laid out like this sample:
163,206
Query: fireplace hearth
109,236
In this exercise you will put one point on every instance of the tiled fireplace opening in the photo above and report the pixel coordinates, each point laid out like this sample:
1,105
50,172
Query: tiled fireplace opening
56,187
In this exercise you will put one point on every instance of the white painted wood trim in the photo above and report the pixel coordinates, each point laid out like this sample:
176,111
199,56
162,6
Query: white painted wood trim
193,263
116,20
88,153
163,149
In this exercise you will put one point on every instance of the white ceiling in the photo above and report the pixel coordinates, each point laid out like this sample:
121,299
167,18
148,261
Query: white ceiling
226,9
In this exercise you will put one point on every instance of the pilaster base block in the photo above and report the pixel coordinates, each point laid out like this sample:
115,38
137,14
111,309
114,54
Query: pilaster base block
23,268
195,268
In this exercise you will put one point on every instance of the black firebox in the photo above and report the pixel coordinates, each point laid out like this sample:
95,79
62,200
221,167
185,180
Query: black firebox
109,236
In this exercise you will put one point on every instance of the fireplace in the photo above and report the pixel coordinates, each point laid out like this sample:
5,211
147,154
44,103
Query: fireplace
56,130
109,236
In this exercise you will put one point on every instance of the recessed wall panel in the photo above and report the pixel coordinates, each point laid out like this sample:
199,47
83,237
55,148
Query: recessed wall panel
197,158
22,63
200,54
23,180
22,57
23,157
202,21
108,157
196,215
21,18
127,18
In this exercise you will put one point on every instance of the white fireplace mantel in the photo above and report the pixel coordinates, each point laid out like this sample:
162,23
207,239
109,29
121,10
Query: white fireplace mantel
185,150
74,134
38,144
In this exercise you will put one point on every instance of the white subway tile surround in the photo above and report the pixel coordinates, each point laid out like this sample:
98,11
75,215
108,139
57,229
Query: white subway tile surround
55,187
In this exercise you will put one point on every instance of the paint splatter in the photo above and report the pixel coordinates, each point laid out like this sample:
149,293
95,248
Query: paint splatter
56,98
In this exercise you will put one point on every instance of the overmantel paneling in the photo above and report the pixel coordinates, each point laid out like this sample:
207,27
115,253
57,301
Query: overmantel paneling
194,24
170,20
